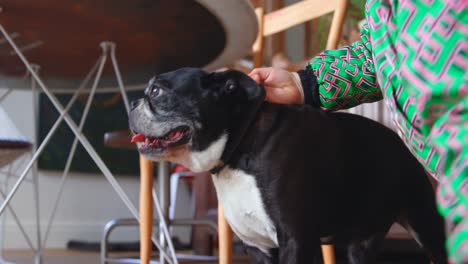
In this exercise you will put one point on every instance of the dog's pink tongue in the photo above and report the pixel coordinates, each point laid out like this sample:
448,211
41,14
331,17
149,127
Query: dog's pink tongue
138,138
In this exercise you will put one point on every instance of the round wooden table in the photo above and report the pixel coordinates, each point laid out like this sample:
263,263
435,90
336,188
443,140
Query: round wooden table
151,36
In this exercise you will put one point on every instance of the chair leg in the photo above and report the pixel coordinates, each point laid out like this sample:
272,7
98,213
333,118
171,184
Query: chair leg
225,238
146,209
328,253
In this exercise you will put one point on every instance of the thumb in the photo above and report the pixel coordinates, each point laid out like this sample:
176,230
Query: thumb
255,77
260,74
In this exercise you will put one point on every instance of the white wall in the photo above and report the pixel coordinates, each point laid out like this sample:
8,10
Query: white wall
87,204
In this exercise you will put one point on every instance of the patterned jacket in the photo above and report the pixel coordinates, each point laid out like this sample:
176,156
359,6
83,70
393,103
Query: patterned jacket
414,54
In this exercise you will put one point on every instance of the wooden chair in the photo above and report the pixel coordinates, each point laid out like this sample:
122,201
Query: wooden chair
270,24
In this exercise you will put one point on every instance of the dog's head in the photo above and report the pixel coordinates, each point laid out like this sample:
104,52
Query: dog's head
188,116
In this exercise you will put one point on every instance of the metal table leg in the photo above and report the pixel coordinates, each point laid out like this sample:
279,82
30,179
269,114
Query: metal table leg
35,175
83,140
163,182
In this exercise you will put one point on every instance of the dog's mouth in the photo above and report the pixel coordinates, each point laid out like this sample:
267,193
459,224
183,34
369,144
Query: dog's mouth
175,137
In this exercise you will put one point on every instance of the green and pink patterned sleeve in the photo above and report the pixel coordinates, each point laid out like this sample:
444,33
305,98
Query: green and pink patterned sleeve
343,78
414,54
429,84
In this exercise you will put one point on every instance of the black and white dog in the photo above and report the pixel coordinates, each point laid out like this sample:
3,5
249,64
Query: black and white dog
288,175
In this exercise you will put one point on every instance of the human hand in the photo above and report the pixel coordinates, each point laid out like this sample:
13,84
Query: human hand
281,86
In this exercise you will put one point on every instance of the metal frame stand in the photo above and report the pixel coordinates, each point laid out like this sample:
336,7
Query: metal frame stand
164,205
108,49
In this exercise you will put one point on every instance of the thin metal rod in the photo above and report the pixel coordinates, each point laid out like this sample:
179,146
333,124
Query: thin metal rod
35,174
5,94
20,163
163,182
3,217
99,66
12,35
137,87
119,78
84,141
13,176
18,222
2,260
29,46
190,222
163,226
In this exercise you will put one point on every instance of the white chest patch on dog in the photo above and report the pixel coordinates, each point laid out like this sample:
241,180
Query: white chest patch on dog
244,209
199,161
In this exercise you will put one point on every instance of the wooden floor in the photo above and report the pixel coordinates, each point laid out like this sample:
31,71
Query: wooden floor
57,256
63,256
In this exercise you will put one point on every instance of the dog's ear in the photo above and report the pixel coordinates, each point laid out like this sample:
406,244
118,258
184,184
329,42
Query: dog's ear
233,82
230,87
254,90
219,82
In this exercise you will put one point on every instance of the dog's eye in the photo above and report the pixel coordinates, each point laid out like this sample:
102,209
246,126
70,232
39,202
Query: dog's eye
155,91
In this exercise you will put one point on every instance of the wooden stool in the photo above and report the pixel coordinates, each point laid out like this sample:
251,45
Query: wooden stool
146,209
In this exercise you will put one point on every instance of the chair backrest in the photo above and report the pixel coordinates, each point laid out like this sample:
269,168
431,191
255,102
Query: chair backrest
292,15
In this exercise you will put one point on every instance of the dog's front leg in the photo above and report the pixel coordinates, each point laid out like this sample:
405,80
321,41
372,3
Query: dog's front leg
259,257
294,251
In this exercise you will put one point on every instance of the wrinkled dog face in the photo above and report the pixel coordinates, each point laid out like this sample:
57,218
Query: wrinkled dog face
187,115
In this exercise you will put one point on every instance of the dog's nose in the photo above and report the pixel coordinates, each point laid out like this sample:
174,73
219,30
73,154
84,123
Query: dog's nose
134,104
